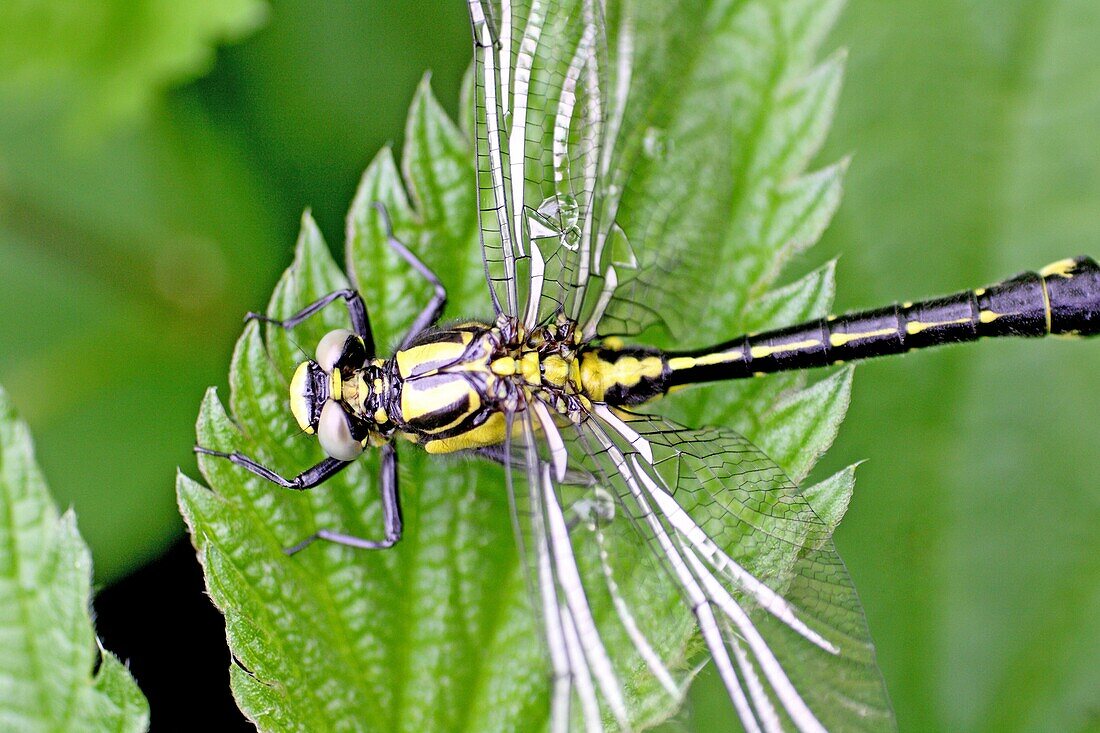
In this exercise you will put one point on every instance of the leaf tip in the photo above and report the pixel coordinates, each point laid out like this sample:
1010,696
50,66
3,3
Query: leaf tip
210,402
310,238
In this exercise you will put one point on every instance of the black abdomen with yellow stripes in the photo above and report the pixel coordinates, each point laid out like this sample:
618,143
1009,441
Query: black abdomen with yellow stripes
1063,299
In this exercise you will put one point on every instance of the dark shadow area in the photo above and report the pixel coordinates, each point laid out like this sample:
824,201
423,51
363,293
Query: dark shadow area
160,621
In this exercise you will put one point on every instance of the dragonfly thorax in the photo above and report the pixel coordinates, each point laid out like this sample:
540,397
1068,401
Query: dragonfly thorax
545,364
451,387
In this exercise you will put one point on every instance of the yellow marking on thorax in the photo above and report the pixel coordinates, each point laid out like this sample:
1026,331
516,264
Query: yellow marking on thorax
490,432
907,304
1063,268
839,339
914,327
472,365
979,292
336,385
575,372
989,316
759,352
418,401
438,354
529,366
598,376
505,366
591,368
555,370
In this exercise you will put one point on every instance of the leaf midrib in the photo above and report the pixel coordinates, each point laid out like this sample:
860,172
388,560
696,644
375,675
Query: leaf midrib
24,595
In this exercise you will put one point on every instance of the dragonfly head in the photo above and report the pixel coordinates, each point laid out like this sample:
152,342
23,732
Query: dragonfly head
316,394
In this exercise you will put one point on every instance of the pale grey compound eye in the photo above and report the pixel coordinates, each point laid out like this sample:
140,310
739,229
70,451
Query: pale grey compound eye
334,432
331,346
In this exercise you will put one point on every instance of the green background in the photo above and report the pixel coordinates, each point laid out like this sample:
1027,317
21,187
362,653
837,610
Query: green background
150,192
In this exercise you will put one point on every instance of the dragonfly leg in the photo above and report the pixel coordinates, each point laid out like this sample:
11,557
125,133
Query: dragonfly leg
307,479
357,310
434,309
391,514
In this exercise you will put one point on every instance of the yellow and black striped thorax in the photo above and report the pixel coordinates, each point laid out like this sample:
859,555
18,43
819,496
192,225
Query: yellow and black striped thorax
450,389
442,385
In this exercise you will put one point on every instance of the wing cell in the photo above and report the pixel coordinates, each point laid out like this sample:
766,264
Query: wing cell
544,128
773,600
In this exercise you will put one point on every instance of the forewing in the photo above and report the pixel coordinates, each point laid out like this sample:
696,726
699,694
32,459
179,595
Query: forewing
547,107
614,627
773,600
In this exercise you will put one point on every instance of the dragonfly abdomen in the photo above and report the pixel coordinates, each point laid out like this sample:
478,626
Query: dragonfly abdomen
1061,299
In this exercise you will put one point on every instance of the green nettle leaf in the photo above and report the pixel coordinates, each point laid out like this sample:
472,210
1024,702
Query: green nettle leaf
55,676
438,633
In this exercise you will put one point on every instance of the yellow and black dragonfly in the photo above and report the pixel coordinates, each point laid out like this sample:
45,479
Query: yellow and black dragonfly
549,387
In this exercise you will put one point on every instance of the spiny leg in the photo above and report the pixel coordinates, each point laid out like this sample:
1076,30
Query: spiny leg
306,480
357,310
434,309
391,513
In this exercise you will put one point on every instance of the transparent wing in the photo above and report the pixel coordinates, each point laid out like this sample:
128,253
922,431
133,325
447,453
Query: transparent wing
771,597
588,572
640,534
579,659
547,111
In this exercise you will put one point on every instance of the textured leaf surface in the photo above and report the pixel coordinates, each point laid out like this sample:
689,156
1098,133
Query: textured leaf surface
436,634
53,674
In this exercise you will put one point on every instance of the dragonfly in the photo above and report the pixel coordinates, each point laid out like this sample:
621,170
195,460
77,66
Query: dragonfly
556,387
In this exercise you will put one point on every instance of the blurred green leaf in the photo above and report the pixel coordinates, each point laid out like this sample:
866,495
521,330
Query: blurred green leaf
974,126
317,91
126,235
83,65
437,634
56,677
